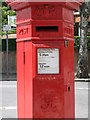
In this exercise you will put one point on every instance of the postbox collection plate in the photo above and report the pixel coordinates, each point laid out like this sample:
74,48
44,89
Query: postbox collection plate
48,61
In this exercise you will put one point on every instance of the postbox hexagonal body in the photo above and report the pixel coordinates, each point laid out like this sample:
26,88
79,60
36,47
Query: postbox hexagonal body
45,59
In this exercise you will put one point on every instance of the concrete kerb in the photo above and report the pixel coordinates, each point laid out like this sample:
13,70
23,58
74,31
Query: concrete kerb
76,79
82,79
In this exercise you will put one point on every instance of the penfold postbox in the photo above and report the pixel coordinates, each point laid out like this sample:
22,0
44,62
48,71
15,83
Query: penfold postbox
45,59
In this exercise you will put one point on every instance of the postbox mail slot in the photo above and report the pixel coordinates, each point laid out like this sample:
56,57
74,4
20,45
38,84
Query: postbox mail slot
46,28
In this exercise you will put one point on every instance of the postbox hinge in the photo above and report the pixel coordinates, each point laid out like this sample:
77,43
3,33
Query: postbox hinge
24,57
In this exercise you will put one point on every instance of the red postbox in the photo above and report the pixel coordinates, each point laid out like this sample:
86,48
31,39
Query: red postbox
45,59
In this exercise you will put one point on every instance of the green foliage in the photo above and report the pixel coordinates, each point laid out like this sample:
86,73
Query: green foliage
77,40
6,10
9,32
88,34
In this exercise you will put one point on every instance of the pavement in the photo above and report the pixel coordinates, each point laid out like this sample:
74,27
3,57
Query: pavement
8,105
8,99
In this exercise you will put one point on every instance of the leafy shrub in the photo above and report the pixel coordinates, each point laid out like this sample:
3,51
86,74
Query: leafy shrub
76,42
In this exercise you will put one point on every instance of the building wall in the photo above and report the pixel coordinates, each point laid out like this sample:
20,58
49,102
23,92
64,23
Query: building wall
12,61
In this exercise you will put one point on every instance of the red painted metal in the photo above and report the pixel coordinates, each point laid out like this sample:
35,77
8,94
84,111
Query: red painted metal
45,26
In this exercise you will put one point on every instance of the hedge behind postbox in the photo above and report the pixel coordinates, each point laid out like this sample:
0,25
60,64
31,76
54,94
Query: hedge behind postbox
11,45
76,42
